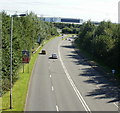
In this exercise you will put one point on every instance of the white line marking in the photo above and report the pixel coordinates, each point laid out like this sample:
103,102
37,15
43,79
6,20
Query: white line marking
57,108
116,104
50,76
52,88
73,85
97,86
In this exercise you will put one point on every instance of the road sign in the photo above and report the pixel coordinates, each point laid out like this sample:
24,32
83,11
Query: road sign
26,56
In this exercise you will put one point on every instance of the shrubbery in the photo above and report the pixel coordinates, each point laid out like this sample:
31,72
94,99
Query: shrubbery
102,42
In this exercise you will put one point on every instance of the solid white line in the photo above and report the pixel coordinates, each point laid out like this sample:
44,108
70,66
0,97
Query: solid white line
57,108
73,85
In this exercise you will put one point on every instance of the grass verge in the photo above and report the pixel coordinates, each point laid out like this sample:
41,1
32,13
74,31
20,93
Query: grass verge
20,88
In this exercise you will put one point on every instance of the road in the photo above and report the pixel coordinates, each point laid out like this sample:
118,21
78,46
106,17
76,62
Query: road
68,83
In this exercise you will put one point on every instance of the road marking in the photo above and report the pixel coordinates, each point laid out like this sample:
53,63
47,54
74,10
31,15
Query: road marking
98,86
50,76
52,88
116,104
73,85
57,108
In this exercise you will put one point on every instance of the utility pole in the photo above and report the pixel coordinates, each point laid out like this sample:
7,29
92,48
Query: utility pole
11,61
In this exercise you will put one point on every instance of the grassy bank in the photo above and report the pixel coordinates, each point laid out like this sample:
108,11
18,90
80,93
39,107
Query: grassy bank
20,87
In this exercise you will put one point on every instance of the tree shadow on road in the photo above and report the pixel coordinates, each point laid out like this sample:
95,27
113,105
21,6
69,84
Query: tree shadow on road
107,86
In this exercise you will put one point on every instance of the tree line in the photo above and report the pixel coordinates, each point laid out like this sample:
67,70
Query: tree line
101,42
68,28
26,31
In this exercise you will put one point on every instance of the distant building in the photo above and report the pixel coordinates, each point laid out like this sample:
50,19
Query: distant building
62,20
95,22
71,20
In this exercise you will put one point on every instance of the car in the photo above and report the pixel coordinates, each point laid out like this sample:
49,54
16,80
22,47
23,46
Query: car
54,56
69,39
43,52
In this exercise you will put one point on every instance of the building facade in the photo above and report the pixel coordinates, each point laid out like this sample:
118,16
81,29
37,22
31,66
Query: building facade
62,20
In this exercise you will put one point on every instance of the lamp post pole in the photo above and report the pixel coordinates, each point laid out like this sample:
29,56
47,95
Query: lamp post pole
11,36
11,62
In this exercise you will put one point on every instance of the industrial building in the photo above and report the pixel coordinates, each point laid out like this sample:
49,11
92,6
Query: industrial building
62,20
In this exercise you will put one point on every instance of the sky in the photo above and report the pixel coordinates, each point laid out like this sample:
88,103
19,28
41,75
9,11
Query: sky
94,10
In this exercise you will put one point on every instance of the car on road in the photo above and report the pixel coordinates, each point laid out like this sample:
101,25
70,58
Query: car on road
54,56
43,52
69,39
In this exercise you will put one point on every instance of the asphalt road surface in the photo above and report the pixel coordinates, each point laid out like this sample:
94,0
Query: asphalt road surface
68,83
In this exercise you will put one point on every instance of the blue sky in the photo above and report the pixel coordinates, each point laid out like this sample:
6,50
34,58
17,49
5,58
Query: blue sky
96,10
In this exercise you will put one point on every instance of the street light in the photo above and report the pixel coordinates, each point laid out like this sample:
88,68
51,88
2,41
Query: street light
11,34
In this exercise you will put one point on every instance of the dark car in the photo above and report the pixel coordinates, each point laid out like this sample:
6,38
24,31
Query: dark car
43,52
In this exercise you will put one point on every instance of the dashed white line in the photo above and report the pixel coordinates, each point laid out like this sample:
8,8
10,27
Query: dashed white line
57,108
50,76
52,88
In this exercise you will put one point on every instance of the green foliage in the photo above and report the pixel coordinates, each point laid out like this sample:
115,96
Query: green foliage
102,42
68,28
26,31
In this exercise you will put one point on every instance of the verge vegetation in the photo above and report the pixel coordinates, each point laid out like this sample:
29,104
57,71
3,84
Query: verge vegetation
26,33
102,43
20,87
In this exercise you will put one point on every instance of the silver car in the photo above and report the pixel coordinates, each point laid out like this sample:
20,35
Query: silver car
54,56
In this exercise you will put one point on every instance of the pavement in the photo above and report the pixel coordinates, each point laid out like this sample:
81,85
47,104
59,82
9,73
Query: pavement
68,83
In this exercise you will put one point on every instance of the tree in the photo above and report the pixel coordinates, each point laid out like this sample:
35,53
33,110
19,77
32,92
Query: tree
25,34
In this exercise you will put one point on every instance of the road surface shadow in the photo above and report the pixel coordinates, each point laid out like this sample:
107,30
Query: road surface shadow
104,88
68,46
107,86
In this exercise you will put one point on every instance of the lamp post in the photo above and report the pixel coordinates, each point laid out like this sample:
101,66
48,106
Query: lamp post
11,35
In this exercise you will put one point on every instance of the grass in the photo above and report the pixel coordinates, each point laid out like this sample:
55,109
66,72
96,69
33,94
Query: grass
20,88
